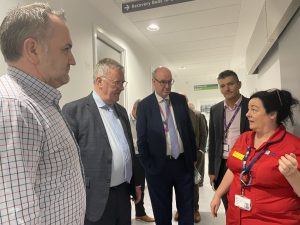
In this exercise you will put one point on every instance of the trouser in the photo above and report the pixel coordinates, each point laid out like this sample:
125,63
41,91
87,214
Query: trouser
200,167
223,169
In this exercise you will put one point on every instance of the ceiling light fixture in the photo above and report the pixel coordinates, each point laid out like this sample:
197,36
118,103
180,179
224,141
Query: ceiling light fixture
153,27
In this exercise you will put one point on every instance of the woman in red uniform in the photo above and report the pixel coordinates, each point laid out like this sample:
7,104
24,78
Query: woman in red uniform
263,176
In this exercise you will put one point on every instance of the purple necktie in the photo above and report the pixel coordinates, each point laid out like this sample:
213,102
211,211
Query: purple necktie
172,131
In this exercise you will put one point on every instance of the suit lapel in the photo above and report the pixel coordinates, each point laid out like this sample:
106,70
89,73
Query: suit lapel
244,110
92,107
122,118
156,115
176,111
220,114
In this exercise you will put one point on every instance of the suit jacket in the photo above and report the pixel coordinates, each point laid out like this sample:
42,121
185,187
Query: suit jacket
200,129
84,118
151,134
216,134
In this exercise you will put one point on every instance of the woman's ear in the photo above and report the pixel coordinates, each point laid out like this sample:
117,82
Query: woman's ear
273,115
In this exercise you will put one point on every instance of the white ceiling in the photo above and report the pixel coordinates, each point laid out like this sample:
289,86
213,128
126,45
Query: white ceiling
204,36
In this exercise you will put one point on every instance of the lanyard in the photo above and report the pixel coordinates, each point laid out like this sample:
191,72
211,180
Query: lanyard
231,120
165,117
248,168
245,175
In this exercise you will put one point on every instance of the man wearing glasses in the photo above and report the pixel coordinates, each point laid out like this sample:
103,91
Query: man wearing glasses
166,143
102,130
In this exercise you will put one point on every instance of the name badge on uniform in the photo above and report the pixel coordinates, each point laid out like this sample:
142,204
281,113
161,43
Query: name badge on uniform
242,202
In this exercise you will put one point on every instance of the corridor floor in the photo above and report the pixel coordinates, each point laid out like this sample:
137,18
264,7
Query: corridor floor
205,196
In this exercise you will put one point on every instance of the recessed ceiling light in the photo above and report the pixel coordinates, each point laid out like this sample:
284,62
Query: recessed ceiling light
153,27
182,68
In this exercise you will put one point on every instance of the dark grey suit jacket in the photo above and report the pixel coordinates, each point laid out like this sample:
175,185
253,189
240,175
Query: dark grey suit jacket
84,118
216,134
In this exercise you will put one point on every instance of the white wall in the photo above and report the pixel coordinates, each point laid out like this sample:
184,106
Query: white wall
269,75
81,18
281,68
289,53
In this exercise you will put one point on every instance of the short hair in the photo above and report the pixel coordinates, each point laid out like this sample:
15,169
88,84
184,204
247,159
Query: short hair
228,73
24,22
280,101
158,68
102,67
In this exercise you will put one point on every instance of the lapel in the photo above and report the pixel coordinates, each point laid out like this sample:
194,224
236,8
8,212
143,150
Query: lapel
220,114
92,107
155,114
123,120
244,109
176,110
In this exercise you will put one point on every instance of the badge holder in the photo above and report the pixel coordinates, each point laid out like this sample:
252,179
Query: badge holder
240,200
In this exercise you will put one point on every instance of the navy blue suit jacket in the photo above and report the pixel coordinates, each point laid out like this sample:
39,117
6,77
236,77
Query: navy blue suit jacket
151,136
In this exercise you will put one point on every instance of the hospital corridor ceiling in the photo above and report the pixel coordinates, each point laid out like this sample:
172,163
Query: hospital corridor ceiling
198,38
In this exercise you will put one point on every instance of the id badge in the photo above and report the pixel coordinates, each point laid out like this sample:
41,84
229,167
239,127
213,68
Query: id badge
226,147
242,202
225,151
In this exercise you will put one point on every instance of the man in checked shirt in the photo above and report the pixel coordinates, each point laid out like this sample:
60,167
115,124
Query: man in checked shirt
41,178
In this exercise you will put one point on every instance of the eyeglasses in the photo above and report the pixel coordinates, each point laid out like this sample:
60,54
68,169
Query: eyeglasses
119,83
165,82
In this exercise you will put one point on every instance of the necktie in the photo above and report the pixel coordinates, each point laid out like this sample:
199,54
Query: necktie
122,142
172,131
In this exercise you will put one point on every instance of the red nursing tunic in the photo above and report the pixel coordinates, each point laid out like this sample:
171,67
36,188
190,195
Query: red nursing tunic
272,198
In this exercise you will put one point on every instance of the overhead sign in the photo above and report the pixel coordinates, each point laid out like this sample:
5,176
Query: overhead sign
148,4
205,87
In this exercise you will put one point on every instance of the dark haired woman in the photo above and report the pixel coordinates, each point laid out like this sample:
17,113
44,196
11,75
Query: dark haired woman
263,176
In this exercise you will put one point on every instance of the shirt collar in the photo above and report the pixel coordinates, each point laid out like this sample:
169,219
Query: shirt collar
99,102
159,98
236,104
34,86
277,136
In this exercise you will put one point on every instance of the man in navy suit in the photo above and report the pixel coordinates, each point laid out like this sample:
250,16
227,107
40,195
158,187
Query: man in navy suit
227,121
102,130
166,143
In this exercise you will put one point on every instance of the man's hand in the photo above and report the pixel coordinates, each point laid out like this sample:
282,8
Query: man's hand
211,180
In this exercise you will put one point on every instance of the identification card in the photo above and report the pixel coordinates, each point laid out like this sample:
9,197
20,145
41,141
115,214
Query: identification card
226,147
242,202
225,151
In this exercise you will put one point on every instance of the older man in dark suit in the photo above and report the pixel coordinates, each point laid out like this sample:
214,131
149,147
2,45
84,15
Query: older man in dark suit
102,130
227,121
166,143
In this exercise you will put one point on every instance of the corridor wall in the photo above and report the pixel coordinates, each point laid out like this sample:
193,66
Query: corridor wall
81,18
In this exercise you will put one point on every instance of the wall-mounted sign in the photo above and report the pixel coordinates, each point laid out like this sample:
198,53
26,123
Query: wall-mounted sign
205,87
148,4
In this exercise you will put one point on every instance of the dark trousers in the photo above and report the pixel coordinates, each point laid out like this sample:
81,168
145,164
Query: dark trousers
200,167
140,172
161,186
118,207
223,169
